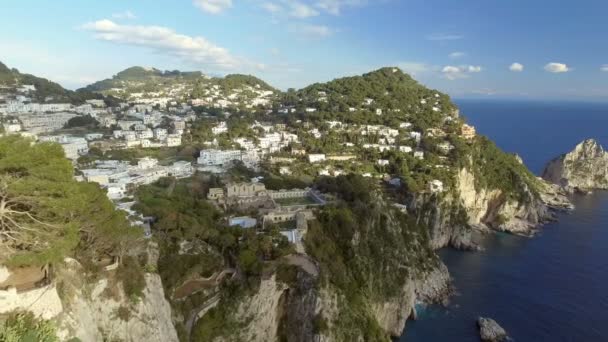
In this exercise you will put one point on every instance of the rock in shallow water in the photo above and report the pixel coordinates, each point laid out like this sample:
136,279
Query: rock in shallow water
489,330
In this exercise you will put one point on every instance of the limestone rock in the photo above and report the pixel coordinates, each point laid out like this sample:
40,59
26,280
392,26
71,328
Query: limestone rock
584,168
490,331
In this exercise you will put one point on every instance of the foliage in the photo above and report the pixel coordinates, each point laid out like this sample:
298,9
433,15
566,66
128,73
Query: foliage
82,121
396,93
24,327
131,274
495,169
366,249
44,87
47,214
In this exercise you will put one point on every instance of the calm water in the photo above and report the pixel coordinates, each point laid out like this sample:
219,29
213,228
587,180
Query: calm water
553,287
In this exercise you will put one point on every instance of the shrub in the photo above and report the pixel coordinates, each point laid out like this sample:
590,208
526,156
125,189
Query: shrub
24,327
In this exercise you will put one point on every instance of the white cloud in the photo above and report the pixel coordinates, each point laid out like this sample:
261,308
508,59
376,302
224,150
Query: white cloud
604,68
164,40
271,7
516,67
557,68
457,54
452,72
313,31
335,6
124,15
213,6
301,10
473,68
414,68
443,36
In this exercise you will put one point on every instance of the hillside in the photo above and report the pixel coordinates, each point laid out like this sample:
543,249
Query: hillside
140,82
357,99
10,79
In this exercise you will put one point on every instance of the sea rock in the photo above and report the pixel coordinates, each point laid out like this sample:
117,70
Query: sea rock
583,169
490,331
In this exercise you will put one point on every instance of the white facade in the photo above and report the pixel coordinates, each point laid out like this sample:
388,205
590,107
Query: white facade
315,158
218,157
174,140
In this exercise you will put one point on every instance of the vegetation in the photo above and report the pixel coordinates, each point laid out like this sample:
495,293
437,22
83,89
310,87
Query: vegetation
44,87
24,327
47,214
82,121
495,169
366,250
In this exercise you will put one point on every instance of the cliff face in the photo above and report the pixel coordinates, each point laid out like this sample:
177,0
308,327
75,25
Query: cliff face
584,168
361,281
94,311
93,314
457,218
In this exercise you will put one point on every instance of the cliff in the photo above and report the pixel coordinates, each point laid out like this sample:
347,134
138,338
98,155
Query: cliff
94,310
367,267
584,168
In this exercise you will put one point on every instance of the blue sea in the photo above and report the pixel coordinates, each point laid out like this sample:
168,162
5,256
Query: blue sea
553,287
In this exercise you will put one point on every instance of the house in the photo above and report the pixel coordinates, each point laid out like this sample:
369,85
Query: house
174,140
146,163
314,158
215,194
220,128
383,162
214,157
244,189
419,154
405,149
467,131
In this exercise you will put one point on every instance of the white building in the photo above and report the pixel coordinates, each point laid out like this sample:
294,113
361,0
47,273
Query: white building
147,163
214,157
220,128
314,158
174,140
160,134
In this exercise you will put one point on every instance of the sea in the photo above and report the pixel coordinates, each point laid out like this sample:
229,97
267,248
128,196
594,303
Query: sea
554,286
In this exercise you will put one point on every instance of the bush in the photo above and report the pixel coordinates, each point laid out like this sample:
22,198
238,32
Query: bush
131,275
24,327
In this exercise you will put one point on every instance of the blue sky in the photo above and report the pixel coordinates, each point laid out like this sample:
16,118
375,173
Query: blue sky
467,48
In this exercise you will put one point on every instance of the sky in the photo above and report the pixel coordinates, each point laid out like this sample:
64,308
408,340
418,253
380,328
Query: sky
536,49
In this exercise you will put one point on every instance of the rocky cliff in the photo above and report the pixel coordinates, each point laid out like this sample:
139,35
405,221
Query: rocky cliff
584,168
459,217
95,311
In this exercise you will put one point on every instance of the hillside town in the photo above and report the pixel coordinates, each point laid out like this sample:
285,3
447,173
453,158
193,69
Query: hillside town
161,119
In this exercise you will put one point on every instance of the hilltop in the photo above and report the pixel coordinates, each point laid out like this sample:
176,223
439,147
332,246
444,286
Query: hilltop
140,82
12,79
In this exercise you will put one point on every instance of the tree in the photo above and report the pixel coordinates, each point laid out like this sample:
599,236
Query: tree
46,215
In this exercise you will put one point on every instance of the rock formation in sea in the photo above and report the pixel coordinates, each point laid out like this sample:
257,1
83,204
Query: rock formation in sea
490,331
584,168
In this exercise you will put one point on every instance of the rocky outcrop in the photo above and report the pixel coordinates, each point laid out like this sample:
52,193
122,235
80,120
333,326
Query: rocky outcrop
432,287
94,312
584,168
490,331
262,312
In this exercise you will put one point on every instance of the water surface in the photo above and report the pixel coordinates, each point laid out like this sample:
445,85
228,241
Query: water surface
549,288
